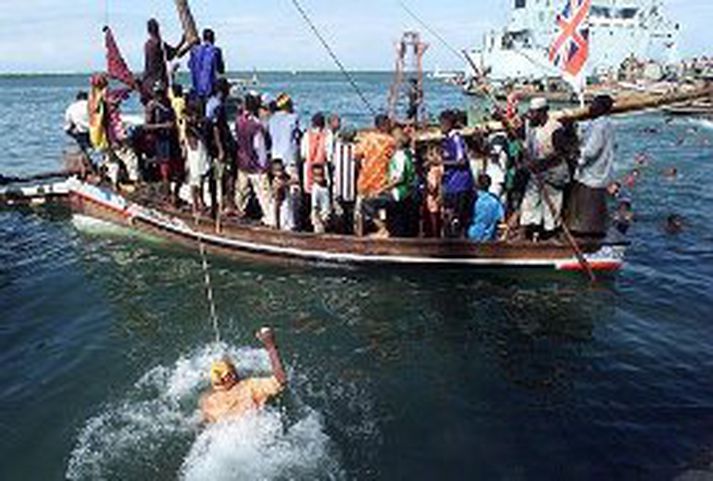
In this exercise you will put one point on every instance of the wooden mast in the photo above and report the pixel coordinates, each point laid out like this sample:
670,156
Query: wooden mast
628,104
189,26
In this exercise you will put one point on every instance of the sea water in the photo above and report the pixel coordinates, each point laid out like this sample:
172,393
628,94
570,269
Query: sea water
105,339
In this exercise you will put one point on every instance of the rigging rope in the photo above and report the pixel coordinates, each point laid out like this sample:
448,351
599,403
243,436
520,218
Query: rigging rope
209,289
418,19
334,57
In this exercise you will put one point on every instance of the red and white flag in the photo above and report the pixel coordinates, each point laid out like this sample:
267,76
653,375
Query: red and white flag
116,65
570,50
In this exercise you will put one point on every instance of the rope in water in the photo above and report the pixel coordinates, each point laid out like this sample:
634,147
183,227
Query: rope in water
334,57
209,289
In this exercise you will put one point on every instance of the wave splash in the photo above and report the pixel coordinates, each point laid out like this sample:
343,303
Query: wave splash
155,432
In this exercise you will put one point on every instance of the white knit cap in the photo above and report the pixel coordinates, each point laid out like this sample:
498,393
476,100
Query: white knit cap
538,103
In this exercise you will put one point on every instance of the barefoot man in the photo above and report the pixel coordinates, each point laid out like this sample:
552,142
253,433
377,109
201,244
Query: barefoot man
232,397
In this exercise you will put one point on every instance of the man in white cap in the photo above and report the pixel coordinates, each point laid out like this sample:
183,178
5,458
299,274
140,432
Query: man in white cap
544,194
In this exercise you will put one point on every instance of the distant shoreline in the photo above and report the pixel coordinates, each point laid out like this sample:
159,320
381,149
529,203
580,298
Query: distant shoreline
229,74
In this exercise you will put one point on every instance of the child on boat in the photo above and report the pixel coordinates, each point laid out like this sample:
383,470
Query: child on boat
280,184
434,193
197,165
321,203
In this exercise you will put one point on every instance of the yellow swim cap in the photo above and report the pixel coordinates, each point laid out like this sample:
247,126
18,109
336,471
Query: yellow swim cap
220,369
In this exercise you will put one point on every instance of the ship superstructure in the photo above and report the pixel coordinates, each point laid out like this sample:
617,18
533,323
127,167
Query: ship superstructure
618,29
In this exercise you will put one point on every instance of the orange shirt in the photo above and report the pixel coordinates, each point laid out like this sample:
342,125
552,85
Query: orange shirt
375,149
248,395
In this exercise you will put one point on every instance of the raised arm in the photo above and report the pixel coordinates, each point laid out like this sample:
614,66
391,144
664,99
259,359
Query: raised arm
267,337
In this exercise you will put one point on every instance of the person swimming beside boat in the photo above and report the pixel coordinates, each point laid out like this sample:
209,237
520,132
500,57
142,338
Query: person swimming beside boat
488,213
231,397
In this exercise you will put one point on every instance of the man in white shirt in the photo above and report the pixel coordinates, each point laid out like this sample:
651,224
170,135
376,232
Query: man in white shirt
76,121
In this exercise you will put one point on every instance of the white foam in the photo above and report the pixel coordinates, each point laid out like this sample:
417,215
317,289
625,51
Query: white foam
260,447
156,427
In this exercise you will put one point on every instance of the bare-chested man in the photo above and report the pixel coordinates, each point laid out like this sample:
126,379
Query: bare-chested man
232,397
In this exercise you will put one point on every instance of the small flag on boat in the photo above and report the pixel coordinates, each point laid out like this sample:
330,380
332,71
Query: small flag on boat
116,65
570,50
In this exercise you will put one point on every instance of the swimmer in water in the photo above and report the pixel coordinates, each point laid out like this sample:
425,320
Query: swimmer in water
232,397
674,224
671,173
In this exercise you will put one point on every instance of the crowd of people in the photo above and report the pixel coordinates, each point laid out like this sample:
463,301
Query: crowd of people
524,182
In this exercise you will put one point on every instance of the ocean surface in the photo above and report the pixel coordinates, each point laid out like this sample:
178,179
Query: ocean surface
105,338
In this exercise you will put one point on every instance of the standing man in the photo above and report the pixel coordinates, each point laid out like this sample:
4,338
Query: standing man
156,55
284,129
231,397
76,121
252,162
588,213
205,64
160,123
221,147
544,194
373,154
458,185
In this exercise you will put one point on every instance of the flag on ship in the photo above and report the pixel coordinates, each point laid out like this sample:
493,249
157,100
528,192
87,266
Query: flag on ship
570,50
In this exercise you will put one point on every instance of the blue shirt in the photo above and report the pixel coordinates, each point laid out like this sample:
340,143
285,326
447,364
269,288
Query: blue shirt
205,64
456,178
487,214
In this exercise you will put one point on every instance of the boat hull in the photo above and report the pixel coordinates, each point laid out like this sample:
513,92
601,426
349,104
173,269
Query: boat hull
236,240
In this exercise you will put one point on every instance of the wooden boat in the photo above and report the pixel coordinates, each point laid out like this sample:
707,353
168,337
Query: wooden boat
236,239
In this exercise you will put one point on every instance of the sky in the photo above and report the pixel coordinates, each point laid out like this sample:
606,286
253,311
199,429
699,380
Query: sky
53,36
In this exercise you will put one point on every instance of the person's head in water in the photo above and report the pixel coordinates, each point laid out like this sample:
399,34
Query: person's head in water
209,36
318,121
153,28
382,123
614,189
223,375
674,224
82,95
